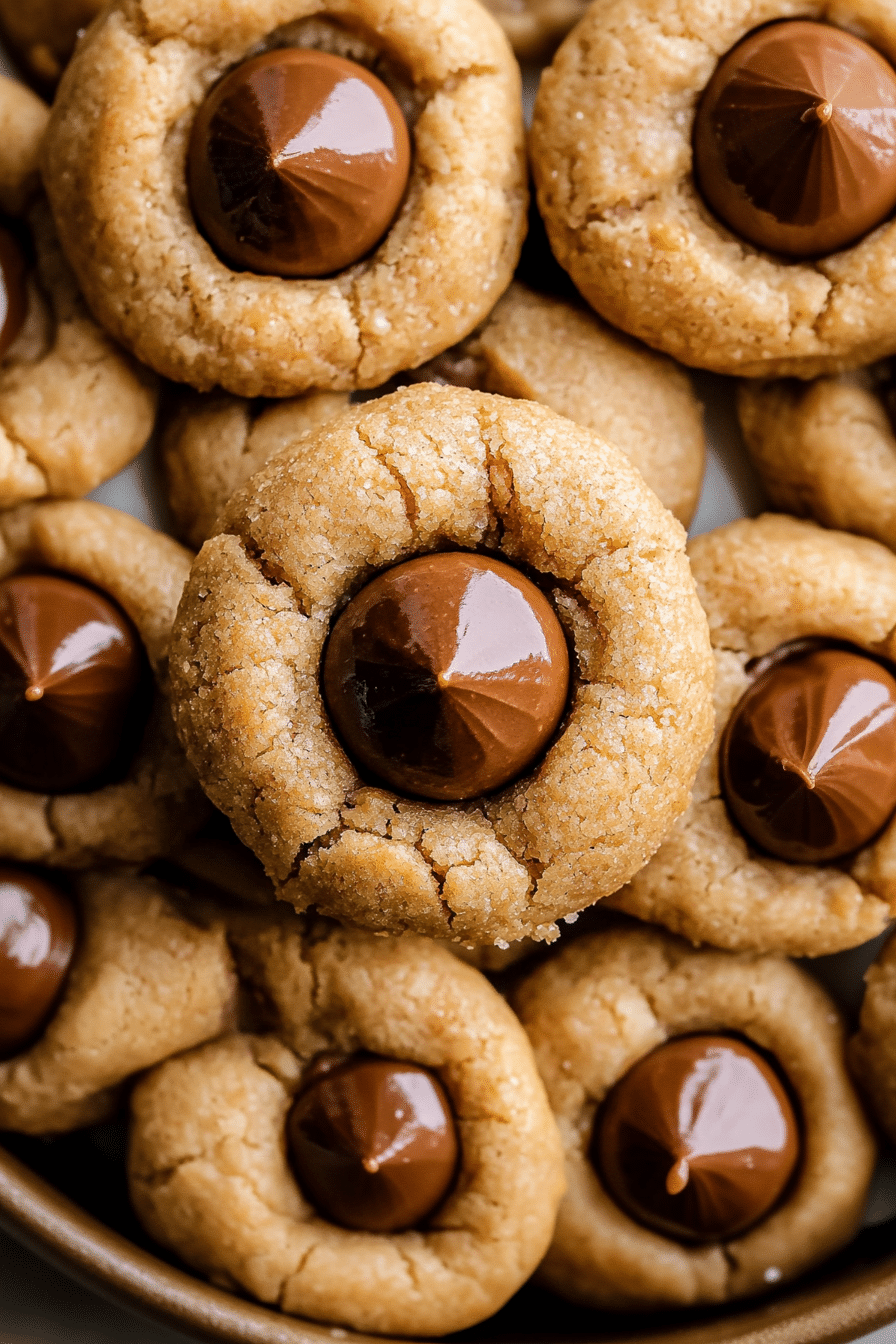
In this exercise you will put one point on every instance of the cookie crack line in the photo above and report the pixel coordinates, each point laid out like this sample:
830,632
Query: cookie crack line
408,498
254,555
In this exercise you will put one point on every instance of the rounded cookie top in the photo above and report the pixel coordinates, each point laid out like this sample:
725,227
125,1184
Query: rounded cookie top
160,287
427,469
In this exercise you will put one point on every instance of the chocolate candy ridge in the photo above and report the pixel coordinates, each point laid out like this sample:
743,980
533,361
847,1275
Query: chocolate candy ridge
373,1143
447,675
795,138
71,666
37,943
808,758
698,1140
298,163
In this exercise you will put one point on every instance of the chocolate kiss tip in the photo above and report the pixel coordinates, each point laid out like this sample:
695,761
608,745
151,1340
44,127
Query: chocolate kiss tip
370,1164
821,112
796,768
678,1176
34,693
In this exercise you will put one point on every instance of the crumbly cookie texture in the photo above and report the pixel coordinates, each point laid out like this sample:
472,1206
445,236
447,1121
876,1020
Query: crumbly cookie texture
146,982
612,159
872,1051
74,409
551,351
536,26
763,582
397,477
213,443
208,1171
609,999
43,33
119,184
826,449
159,801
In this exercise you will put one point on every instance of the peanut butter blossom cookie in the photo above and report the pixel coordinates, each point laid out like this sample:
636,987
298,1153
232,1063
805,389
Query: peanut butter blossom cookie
291,200
827,449
74,409
722,184
872,1051
90,768
42,33
383,1157
714,1145
444,668
788,844
96,987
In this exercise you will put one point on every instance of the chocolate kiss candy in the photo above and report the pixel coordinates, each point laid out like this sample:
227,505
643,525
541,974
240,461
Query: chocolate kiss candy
70,666
698,1140
808,760
13,294
447,675
795,138
37,942
374,1144
298,162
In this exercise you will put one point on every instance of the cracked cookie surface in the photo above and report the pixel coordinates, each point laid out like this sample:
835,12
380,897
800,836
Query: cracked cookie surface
420,470
158,802
872,1051
763,582
612,159
826,449
208,1171
609,999
74,408
146,982
119,185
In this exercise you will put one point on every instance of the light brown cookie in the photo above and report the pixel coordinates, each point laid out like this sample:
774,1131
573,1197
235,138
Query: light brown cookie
764,582
118,183
74,408
612,158
42,33
147,981
208,1169
608,1000
826,449
158,802
399,477
872,1051
536,26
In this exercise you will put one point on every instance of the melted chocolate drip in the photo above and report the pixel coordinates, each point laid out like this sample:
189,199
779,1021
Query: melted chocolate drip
298,163
808,760
698,1140
373,1143
37,943
447,675
71,665
795,138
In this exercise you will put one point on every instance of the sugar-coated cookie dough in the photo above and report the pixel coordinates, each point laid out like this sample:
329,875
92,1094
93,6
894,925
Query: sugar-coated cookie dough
147,981
763,582
158,802
609,999
119,183
42,33
536,26
208,1170
399,477
213,443
612,158
872,1051
74,408
826,449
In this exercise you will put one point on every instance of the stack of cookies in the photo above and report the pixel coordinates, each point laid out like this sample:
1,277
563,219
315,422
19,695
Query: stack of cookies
294,814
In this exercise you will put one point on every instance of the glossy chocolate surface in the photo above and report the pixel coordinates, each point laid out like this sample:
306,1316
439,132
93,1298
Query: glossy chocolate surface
71,665
447,676
13,293
795,139
808,759
37,942
373,1143
698,1140
298,162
